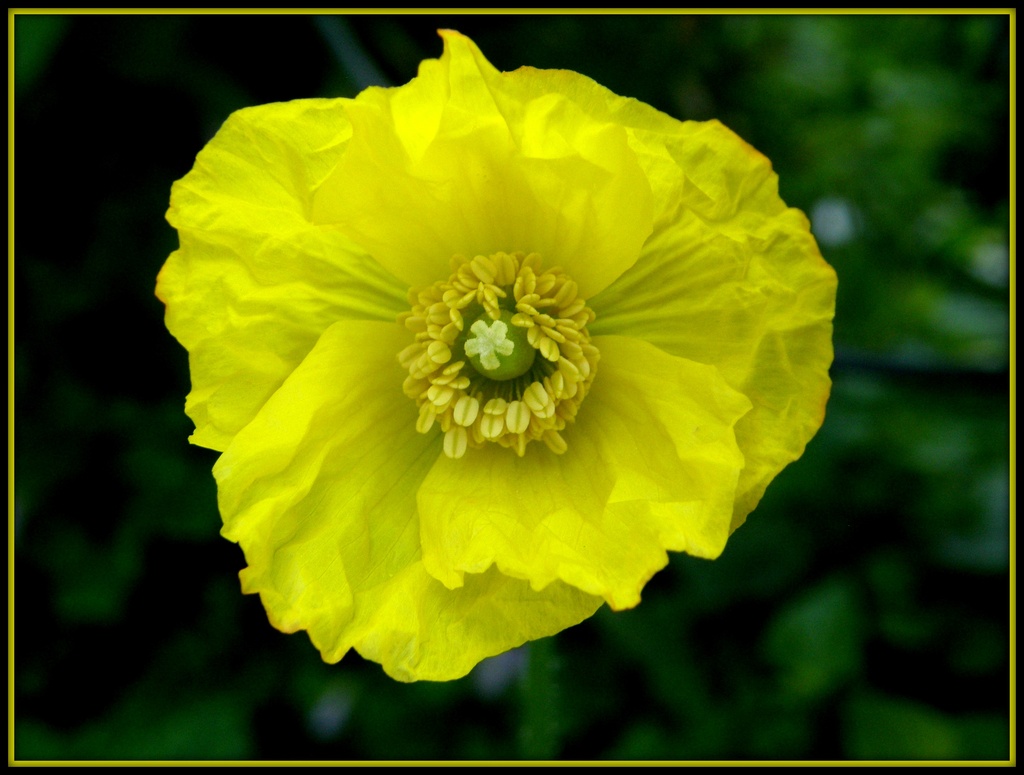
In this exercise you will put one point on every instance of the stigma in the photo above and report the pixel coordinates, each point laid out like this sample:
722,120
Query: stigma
488,344
497,349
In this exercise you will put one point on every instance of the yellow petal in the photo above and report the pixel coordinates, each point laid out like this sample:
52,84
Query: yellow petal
734,279
676,156
419,630
652,465
467,160
255,282
319,490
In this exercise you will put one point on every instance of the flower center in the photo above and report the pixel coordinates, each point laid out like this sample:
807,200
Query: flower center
482,381
498,351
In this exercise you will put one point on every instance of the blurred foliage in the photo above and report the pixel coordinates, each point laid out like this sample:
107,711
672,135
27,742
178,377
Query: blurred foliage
862,612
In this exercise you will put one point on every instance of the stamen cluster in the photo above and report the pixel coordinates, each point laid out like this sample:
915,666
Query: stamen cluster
472,408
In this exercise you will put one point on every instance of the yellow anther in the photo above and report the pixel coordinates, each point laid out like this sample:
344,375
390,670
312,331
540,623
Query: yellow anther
449,333
566,294
519,444
483,268
466,410
443,379
455,442
569,332
490,300
439,352
492,426
572,309
456,317
555,442
476,438
532,261
426,418
440,395
545,283
506,269
569,369
529,280
536,398
453,368
551,333
496,406
557,384
571,350
549,349
409,355
517,416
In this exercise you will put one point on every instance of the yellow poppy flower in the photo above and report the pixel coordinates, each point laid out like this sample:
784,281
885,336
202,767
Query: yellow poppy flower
480,350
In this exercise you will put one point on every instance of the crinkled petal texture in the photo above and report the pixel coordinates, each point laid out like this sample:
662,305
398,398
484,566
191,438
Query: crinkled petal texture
304,225
255,281
653,466
732,277
320,491
438,167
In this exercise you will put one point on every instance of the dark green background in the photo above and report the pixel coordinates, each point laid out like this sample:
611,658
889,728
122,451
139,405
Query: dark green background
862,612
